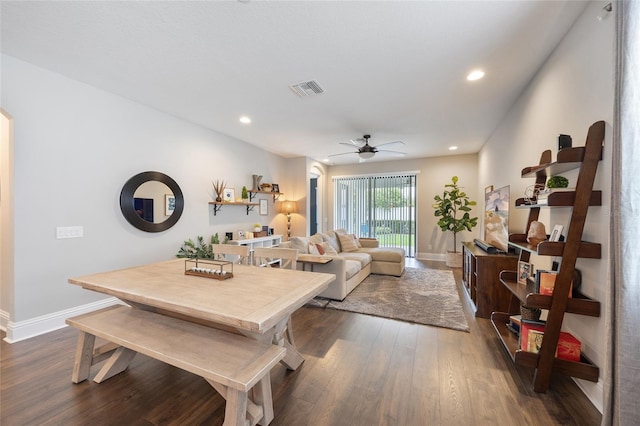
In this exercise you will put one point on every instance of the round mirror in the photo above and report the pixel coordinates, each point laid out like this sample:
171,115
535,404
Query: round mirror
151,201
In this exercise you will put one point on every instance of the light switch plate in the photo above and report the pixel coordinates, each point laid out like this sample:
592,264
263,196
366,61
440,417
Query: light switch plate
69,232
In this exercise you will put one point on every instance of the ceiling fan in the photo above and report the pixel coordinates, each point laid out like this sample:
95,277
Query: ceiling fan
366,151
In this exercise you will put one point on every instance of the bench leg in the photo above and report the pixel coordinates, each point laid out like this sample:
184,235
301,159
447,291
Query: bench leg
84,357
235,412
262,396
118,362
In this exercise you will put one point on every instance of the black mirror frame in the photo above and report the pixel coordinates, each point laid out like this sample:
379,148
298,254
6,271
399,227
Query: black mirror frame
129,212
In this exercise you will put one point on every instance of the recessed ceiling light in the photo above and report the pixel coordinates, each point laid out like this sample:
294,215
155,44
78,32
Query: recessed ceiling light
475,75
453,148
245,120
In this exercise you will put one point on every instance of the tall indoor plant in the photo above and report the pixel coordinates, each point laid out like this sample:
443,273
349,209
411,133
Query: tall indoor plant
448,207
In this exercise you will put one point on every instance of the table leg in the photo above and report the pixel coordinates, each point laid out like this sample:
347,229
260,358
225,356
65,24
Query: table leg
293,359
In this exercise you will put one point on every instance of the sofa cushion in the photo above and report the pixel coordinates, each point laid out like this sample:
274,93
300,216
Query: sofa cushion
352,267
301,244
363,258
348,242
384,254
328,249
331,238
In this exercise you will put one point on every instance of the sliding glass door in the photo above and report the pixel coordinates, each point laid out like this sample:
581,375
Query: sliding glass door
378,206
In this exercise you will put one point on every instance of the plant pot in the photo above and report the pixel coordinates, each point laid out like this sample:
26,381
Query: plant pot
454,259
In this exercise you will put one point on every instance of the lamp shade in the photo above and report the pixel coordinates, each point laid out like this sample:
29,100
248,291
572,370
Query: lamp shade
288,207
366,155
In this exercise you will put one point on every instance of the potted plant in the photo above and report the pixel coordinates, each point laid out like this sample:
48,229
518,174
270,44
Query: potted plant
448,207
245,195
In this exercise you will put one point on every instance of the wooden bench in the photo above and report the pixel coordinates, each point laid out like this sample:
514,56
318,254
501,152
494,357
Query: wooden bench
234,365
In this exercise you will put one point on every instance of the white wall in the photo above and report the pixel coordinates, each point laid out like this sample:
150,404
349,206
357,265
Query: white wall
573,90
6,219
75,147
433,174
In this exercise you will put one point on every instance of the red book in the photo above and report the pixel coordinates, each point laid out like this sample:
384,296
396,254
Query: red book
531,334
548,282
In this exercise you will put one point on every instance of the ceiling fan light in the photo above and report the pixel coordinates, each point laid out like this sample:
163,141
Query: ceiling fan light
366,155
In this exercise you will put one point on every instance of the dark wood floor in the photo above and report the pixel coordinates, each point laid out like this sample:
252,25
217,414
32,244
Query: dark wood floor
359,370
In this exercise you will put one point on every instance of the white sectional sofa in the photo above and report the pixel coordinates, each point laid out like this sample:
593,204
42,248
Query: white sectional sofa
351,265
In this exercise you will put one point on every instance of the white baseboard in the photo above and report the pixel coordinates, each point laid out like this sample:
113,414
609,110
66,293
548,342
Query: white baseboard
21,330
441,257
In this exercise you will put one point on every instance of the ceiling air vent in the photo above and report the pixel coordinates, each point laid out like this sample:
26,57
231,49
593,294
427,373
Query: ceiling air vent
307,88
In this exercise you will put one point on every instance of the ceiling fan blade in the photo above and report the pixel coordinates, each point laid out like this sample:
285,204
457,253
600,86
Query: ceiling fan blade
391,143
397,153
343,153
350,145
356,142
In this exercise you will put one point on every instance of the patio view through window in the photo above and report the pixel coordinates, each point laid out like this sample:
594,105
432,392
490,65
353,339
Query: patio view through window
378,206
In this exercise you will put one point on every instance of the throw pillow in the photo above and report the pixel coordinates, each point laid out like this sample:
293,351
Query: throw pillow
301,244
357,240
313,249
320,249
332,239
328,249
316,238
348,242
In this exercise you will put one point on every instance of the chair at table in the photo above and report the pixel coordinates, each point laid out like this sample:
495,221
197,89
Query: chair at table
231,252
268,256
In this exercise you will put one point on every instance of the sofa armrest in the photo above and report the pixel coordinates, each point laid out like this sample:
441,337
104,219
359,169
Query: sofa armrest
369,242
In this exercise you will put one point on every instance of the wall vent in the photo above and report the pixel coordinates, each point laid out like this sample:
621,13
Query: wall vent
307,88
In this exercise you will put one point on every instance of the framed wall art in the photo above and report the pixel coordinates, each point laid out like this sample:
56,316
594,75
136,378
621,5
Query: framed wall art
496,218
229,195
264,207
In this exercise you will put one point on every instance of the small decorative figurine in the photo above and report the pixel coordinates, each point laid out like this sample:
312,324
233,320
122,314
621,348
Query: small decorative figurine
537,233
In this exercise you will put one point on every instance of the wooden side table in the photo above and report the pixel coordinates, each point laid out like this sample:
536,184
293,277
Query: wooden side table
313,259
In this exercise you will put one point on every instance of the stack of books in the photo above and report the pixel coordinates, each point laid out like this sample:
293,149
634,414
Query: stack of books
514,324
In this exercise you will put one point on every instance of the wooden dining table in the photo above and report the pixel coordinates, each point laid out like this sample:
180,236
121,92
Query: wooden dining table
256,302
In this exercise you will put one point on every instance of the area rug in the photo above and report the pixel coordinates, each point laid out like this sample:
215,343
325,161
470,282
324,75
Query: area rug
423,296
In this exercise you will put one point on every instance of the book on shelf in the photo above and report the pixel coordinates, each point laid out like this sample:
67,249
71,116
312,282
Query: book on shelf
532,335
548,282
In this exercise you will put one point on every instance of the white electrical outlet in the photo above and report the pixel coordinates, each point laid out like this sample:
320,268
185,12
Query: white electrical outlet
69,232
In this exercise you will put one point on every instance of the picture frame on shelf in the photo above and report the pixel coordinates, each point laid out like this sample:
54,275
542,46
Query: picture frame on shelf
264,207
275,187
556,233
229,195
169,204
525,270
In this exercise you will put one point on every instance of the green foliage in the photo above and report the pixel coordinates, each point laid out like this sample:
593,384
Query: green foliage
389,197
200,248
557,182
245,193
447,207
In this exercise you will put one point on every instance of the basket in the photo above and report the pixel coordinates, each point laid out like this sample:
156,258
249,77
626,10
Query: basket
532,314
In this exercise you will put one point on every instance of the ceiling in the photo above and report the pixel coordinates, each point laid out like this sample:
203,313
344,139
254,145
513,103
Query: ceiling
395,70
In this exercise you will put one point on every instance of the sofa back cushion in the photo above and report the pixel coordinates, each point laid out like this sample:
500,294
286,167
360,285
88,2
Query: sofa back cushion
301,244
331,238
348,242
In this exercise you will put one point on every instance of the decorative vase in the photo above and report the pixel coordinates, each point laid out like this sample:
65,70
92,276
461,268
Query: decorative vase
257,228
454,259
218,199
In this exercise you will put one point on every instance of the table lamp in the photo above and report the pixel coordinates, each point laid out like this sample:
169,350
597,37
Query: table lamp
287,207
